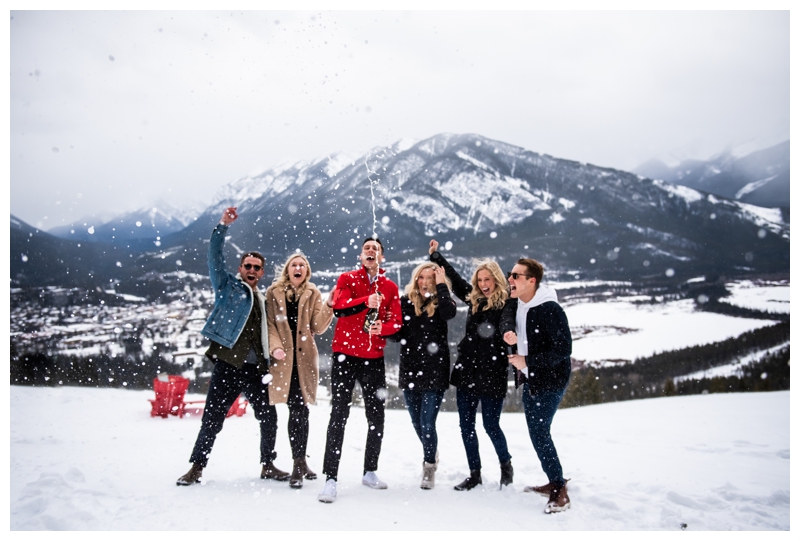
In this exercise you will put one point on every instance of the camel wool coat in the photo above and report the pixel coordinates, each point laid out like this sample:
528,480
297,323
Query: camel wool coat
313,317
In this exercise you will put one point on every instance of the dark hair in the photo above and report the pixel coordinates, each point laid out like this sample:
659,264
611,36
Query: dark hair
535,269
376,239
252,254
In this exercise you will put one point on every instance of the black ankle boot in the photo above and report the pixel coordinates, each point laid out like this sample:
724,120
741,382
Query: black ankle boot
506,473
470,482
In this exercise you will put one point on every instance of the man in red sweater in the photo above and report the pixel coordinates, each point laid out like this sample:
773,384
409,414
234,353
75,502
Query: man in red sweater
358,356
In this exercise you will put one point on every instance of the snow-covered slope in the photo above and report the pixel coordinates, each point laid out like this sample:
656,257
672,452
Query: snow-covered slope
89,459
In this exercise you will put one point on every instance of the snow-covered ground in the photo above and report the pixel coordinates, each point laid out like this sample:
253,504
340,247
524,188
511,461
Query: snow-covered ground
93,459
770,297
619,329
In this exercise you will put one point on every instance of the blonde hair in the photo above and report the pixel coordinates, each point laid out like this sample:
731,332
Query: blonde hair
412,290
282,278
497,298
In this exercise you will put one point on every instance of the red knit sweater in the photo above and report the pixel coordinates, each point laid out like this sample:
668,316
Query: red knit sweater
350,307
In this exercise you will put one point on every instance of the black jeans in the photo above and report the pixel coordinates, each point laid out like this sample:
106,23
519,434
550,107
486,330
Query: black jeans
227,382
298,417
490,412
371,374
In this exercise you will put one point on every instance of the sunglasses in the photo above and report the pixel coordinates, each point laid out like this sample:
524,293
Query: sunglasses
249,266
516,275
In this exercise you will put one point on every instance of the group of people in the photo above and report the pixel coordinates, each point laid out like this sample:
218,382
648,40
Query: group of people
266,346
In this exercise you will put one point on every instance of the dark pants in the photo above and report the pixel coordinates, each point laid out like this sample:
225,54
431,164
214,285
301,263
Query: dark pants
490,413
227,382
298,417
423,406
539,411
371,375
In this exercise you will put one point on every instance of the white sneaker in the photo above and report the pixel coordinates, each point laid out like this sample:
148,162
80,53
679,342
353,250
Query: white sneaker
328,494
371,480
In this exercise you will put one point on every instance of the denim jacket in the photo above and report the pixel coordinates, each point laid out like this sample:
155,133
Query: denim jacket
233,299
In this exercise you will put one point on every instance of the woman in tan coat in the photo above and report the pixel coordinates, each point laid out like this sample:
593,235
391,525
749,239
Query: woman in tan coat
295,313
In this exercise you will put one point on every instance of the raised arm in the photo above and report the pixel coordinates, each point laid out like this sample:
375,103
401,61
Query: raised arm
447,306
461,288
216,258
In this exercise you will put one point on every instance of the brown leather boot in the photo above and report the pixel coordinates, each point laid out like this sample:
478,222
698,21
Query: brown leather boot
269,471
296,481
559,501
543,490
194,475
307,473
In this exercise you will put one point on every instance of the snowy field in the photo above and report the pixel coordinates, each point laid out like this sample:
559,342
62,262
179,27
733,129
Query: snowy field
93,459
619,329
770,297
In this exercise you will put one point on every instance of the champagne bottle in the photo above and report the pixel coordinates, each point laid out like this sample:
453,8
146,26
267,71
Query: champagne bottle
372,317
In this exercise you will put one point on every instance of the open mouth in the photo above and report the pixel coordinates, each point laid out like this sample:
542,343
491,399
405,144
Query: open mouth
298,275
370,258
485,290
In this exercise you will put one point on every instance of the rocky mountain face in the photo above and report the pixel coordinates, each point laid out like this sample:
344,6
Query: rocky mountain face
476,196
760,178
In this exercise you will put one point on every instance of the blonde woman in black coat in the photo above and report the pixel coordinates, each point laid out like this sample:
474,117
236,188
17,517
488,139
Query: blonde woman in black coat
481,370
425,356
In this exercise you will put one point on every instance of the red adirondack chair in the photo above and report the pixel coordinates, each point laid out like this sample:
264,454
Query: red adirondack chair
170,394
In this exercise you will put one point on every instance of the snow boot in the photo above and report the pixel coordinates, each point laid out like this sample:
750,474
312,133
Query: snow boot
328,494
194,475
559,501
428,475
269,471
543,490
470,482
506,474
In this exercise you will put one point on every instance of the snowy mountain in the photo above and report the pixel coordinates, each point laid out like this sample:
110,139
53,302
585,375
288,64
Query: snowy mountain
143,227
760,178
490,198
478,197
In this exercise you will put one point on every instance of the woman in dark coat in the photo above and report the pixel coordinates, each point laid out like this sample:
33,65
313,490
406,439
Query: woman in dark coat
425,356
481,370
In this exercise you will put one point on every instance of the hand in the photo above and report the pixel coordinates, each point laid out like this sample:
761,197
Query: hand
279,354
229,216
510,337
438,274
331,297
518,361
434,246
376,327
374,300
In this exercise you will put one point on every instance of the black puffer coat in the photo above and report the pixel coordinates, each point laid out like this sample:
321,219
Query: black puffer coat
424,353
482,364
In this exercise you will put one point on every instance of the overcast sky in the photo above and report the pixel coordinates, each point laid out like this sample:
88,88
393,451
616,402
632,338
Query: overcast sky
111,111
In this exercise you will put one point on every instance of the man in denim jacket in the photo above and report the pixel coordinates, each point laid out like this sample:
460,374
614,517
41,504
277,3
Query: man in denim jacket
237,328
